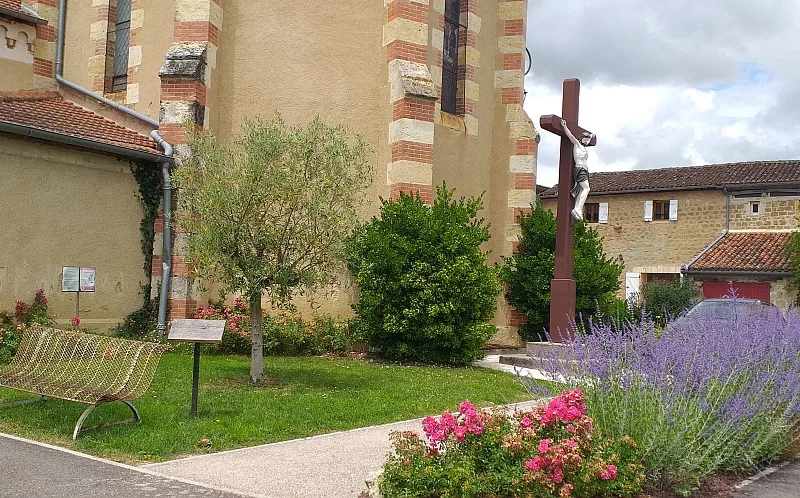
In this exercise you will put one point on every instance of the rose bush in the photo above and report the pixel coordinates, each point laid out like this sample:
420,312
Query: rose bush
13,325
553,450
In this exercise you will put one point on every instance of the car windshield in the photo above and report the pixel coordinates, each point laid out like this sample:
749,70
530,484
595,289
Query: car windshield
725,309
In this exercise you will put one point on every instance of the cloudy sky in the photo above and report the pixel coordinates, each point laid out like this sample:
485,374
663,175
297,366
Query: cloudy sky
675,83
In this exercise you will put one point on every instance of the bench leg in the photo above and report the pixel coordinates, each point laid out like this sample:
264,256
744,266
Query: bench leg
22,402
79,426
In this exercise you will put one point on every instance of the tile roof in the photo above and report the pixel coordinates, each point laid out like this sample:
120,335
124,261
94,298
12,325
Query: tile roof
48,111
693,177
746,251
13,8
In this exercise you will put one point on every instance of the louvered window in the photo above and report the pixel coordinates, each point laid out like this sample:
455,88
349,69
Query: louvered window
122,38
452,29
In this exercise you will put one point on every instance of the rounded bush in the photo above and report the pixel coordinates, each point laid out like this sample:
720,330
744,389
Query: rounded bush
426,290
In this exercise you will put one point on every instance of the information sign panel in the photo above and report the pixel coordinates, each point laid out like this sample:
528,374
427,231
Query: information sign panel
200,331
87,279
69,278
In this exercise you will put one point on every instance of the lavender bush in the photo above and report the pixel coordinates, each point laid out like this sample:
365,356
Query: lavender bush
699,395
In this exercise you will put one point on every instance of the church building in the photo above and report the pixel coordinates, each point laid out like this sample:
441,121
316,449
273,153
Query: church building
434,86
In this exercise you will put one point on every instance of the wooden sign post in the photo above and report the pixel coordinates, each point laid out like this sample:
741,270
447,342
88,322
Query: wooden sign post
198,332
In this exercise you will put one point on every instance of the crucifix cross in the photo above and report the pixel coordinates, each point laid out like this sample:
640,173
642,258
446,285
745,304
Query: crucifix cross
562,290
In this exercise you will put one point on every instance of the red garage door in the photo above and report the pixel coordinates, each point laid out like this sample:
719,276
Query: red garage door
750,290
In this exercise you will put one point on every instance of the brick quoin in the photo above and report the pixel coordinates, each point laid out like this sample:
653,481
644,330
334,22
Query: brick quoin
42,67
45,32
407,51
196,31
413,108
51,3
516,318
464,106
425,192
181,308
527,147
183,90
469,6
524,181
512,61
401,9
514,27
519,212
173,133
512,95
412,151
179,267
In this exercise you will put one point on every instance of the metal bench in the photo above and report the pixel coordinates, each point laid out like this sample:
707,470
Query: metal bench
85,368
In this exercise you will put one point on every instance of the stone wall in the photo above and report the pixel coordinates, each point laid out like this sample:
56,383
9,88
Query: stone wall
774,213
658,246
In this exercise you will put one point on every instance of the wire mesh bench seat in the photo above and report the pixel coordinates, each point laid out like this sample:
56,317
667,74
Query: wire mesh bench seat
85,368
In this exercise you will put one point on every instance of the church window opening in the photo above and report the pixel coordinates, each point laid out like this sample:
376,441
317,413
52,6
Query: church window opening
452,32
119,37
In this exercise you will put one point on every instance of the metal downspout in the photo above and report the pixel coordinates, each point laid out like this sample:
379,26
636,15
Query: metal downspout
166,253
165,166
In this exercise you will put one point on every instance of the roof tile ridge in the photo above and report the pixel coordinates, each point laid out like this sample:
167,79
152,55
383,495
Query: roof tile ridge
30,95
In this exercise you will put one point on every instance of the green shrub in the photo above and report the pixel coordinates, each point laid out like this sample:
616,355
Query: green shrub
291,336
550,451
662,300
529,271
13,326
35,313
10,336
140,324
427,292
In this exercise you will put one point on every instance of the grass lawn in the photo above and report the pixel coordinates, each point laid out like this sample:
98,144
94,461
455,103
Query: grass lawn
304,396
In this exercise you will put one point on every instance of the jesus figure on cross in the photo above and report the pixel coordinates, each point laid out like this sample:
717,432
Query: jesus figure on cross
580,191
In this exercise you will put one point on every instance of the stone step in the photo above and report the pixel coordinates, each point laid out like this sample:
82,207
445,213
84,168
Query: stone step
505,351
516,360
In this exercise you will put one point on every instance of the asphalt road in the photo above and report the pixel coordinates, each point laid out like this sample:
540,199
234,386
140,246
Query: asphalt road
35,470
782,483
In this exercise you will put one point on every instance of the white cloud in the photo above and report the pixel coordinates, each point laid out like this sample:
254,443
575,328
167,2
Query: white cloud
669,83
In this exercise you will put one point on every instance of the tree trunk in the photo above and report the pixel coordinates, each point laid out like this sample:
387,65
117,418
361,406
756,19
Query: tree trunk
257,339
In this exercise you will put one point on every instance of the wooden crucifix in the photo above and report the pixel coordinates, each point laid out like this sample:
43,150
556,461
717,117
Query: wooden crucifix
562,289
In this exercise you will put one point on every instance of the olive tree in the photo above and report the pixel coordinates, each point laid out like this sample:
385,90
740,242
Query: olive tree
268,213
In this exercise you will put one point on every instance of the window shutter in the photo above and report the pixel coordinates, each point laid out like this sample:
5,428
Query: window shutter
673,210
648,210
603,216
632,285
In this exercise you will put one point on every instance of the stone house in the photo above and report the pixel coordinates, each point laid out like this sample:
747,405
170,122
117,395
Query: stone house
723,224
434,86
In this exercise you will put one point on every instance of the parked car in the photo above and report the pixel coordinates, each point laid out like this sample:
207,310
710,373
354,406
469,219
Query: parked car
727,308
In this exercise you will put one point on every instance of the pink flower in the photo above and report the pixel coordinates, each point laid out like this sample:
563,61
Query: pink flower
448,420
465,408
558,475
526,422
76,321
544,445
460,432
435,431
609,473
536,463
